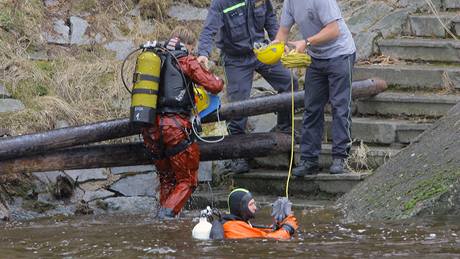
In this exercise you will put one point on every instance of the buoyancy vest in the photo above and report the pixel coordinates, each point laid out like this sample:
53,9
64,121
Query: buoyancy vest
176,89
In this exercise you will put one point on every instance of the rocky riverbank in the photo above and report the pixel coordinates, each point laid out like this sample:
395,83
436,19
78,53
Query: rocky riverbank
422,179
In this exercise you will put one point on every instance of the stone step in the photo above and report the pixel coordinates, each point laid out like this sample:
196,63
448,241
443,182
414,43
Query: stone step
272,182
441,50
377,131
427,25
374,157
411,75
404,103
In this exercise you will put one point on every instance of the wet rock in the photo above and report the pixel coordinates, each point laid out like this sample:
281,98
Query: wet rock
64,187
135,12
40,55
4,132
121,47
422,179
184,12
51,3
4,93
132,169
262,123
78,28
420,5
60,33
366,17
83,208
99,38
137,185
263,86
85,175
365,44
61,124
130,205
47,177
205,172
11,105
146,27
4,212
392,24
94,195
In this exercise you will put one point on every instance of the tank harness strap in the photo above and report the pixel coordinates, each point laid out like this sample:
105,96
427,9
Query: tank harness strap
183,144
168,152
144,91
138,77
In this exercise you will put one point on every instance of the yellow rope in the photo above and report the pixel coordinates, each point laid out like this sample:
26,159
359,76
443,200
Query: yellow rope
293,60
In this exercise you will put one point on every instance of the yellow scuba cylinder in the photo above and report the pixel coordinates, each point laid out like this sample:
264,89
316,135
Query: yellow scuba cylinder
144,95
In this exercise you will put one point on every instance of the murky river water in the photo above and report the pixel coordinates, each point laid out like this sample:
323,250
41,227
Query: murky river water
322,236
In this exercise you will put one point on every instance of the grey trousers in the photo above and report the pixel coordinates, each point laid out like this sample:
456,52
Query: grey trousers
239,72
327,80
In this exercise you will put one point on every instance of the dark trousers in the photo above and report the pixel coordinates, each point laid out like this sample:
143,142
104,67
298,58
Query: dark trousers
327,80
239,72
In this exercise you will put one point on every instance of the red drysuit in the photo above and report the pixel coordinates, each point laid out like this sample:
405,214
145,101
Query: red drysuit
178,173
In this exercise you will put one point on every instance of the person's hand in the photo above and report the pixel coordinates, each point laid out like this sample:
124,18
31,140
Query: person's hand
203,60
290,224
300,45
281,208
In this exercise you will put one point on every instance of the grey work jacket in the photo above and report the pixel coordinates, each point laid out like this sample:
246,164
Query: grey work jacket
237,24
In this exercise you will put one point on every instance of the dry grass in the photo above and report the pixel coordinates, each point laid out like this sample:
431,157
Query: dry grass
81,84
358,159
154,9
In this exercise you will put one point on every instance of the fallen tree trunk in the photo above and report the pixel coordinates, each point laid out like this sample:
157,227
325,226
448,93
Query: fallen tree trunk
97,156
73,136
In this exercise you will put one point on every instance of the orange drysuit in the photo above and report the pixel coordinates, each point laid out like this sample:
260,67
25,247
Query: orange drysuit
178,173
237,229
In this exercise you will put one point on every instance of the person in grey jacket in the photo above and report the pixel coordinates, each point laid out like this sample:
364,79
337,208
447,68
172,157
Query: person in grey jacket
329,42
234,26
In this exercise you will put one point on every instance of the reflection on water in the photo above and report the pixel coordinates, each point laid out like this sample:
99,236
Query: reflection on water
321,235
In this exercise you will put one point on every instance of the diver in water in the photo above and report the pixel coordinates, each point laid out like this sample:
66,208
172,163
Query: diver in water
242,208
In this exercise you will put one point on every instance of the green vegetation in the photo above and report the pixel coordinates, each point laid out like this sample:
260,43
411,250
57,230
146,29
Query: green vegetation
429,188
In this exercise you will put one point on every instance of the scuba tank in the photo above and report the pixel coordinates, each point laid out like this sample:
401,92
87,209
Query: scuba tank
146,79
202,230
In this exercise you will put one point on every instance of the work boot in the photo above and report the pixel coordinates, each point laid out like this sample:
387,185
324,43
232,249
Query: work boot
306,167
166,213
338,166
284,125
240,166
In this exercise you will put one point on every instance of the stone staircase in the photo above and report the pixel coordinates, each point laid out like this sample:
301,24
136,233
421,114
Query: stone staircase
424,83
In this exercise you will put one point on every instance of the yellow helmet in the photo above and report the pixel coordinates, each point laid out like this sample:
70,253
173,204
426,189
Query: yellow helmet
270,54
201,98
206,103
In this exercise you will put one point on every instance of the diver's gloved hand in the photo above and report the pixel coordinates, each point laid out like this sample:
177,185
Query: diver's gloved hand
281,208
290,224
